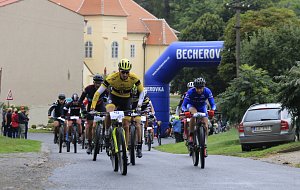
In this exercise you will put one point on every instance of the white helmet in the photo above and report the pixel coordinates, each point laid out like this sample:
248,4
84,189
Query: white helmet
190,84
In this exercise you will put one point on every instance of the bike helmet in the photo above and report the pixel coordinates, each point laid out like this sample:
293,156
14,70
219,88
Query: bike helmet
124,64
61,96
97,78
190,84
75,97
199,82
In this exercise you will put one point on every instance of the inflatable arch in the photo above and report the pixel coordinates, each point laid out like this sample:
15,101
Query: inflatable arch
177,56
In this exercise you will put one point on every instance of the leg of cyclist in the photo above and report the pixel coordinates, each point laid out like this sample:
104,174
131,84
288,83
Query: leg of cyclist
107,121
139,137
56,130
79,130
89,133
192,123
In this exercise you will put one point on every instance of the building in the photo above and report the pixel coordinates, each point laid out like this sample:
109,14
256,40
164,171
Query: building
41,54
116,29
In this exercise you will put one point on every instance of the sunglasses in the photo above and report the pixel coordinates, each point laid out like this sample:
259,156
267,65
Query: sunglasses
125,72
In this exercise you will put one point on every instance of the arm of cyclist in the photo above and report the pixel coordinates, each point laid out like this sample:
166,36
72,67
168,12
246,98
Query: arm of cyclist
51,109
97,94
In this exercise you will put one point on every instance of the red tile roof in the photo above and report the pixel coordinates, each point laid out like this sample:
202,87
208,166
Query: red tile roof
7,2
138,19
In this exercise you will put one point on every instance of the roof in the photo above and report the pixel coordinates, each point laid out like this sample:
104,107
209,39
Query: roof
94,7
139,20
7,2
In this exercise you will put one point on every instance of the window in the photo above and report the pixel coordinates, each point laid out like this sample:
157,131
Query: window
132,50
88,49
114,50
89,30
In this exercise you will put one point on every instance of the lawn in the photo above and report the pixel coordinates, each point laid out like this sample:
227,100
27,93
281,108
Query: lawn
9,145
228,144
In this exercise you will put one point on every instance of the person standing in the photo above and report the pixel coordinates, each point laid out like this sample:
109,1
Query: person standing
22,122
15,123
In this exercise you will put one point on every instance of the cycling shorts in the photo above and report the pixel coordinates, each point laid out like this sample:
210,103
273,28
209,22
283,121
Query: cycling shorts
122,104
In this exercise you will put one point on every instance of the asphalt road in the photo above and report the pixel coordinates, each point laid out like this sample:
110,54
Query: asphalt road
158,170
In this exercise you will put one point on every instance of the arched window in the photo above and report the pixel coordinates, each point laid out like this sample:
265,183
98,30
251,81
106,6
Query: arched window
114,49
88,49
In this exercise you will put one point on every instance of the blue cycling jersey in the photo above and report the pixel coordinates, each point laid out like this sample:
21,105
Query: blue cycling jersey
198,100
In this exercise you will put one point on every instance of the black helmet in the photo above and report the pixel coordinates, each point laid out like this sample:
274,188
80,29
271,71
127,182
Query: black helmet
97,78
61,96
199,82
75,97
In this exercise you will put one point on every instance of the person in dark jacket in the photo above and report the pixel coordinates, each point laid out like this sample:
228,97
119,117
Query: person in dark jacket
23,119
57,110
7,120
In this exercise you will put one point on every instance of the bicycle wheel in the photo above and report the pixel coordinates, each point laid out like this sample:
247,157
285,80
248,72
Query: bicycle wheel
83,140
96,142
122,157
201,137
132,144
149,141
113,156
75,140
60,138
195,149
68,142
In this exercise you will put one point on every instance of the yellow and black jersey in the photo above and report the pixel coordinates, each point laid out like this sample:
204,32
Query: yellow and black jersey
122,88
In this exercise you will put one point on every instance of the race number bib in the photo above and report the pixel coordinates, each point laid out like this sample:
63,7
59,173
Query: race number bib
116,115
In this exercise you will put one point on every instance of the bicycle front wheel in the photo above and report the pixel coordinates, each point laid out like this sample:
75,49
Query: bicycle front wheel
195,149
97,142
149,141
61,138
132,145
201,137
122,157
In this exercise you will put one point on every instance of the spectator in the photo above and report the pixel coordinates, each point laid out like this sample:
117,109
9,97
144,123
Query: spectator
8,122
15,123
26,125
22,122
3,129
176,123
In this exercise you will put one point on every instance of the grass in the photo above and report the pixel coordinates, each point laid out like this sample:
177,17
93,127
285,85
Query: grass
174,100
228,144
9,145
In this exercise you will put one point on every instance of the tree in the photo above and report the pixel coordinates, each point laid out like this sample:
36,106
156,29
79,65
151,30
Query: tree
252,86
207,28
289,90
251,22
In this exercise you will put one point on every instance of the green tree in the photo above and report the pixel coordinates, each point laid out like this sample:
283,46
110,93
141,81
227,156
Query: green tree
274,50
251,22
252,86
207,28
289,90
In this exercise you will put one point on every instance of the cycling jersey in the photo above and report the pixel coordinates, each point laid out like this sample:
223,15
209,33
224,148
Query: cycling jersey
198,100
58,109
75,108
88,93
122,88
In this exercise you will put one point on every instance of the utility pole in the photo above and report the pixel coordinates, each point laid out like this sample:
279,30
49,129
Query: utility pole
237,5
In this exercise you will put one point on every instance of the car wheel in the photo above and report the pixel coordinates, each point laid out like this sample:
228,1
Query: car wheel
246,148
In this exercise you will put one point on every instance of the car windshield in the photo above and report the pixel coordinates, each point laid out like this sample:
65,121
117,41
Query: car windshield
262,115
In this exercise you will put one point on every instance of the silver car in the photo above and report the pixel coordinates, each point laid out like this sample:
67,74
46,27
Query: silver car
264,125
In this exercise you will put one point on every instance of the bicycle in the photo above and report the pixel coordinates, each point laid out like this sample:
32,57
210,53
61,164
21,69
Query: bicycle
149,132
61,133
98,141
117,148
132,147
72,137
158,134
197,149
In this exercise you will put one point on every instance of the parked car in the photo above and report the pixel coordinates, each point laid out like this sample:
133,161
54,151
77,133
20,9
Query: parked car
265,125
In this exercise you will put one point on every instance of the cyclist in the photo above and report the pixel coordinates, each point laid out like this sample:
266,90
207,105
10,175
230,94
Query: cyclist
88,93
74,108
178,108
146,106
58,112
121,84
195,101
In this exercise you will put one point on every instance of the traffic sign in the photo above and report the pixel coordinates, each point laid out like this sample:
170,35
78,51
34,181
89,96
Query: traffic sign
9,95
